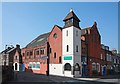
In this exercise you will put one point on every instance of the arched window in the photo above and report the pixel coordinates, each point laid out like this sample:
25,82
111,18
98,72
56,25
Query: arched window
77,67
55,36
30,65
15,66
98,67
16,57
33,65
67,48
93,66
55,55
67,67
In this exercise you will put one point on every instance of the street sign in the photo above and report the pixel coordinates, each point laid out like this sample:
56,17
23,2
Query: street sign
67,57
44,57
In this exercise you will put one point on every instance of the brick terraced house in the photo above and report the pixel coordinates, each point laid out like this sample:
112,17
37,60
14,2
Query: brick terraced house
69,51
10,60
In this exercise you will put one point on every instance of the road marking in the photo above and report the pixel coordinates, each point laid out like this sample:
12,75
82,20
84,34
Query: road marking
88,78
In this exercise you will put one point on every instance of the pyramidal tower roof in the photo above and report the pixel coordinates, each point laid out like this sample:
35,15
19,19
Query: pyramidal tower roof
70,15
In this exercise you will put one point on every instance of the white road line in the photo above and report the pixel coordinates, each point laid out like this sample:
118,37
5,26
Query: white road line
88,78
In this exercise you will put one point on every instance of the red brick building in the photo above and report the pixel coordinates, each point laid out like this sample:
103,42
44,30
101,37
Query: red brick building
33,54
92,43
45,53
10,61
17,59
55,42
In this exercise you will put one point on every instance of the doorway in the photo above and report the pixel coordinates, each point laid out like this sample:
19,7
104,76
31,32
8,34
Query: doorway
16,66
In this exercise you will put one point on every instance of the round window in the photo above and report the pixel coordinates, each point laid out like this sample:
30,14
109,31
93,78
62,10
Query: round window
55,36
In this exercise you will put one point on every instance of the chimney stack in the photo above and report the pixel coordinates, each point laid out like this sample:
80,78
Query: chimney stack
17,46
95,24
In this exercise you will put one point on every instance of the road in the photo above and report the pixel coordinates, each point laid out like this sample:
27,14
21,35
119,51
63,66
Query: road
31,78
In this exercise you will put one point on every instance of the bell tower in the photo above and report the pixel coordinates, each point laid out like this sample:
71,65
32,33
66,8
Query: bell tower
71,20
71,46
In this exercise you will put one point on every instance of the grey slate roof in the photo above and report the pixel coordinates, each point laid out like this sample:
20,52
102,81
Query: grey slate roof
40,40
9,49
71,15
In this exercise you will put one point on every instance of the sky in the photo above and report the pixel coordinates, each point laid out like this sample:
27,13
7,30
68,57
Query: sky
60,0
23,22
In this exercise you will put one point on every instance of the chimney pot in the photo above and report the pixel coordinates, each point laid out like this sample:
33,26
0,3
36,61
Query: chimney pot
17,46
95,23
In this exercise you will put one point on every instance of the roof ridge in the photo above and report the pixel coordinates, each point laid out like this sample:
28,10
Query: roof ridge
71,15
58,26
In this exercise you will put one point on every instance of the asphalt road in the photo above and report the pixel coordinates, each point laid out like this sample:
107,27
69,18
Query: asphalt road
31,78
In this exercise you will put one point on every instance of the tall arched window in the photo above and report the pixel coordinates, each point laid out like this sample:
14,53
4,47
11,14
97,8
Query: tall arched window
67,67
54,54
67,48
16,66
76,48
93,66
55,36
77,67
16,57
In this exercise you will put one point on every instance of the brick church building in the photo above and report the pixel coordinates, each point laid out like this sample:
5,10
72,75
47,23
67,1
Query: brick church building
68,51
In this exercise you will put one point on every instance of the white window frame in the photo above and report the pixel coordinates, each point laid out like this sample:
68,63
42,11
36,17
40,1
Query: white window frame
35,68
94,65
98,68
101,56
30,63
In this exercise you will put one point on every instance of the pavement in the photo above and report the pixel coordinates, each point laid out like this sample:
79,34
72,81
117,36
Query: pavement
31,78
116,81
106,79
